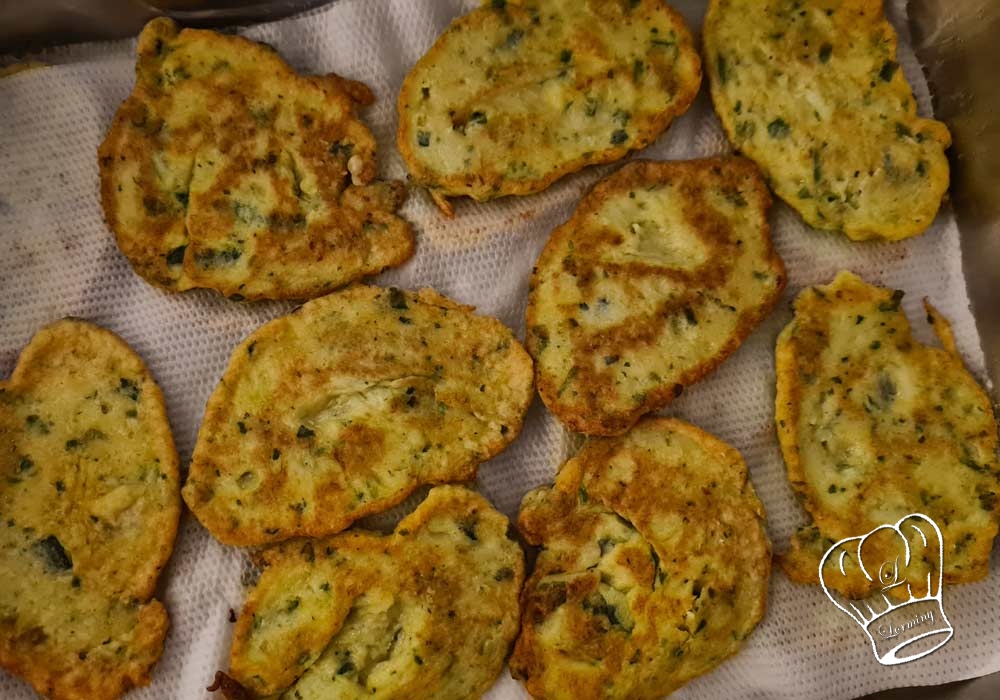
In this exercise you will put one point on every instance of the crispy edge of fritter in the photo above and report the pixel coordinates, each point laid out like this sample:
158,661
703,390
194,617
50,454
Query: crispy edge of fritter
448,500
221,397
76,683
441,188
797,562
633,175
156,31
875,13
567,483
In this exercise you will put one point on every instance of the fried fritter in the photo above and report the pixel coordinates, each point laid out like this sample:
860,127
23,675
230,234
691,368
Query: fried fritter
654,566
226,169
517,94
428,612
90,506
812,92
874,426
659,275
342,408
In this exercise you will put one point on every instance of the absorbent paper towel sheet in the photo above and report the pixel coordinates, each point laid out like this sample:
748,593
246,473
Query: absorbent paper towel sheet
57,258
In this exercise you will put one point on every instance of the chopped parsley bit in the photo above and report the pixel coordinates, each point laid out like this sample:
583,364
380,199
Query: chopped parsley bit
565,56
305,432
348,666
893,303
860,319
469,528
721,68
129,388
514,38
342,149
504,574
888,70
275,454
825,52
778,129
618,137
582,493
397,299
51,551
423,139
875,345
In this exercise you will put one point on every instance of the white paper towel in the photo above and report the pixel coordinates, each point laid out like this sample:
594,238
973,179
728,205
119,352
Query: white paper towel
57,258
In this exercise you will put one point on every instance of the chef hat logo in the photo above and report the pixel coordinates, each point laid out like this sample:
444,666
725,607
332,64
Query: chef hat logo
902,568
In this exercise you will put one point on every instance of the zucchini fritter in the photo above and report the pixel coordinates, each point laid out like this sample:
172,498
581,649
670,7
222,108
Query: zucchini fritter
874,426
516,94
226,169
812,92
654,566
427,612
342,408
659,275
89,499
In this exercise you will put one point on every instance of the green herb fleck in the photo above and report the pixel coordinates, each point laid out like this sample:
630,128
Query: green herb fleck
128,388
52,553
778,129
825,51
618,137
176,255
721,68
305,432
888,70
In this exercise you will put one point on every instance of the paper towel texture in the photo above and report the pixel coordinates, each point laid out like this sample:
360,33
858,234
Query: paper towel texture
59,259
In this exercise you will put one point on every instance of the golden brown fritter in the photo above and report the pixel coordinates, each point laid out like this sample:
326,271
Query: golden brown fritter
226,169
428,612
874,426
654,566
90,503
659,275
342,408
811,91
517,94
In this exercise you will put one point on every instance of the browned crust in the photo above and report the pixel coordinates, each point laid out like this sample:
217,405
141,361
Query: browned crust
143,580
358,573
553,517
794,349
206,461
364,203
870,13
65,676
595,419
482,186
